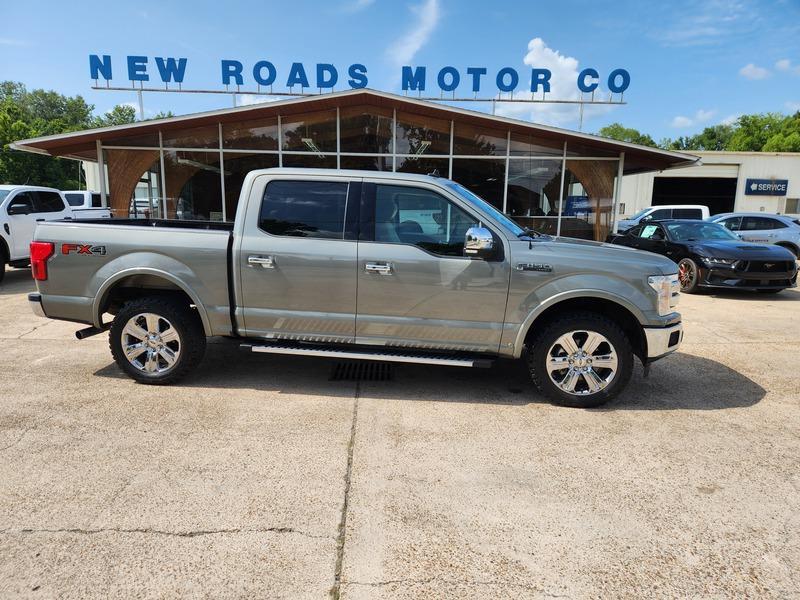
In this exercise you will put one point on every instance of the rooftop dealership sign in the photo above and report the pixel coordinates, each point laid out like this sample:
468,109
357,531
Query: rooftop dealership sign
264,75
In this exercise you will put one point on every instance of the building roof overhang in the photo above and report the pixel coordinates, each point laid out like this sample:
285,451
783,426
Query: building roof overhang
82,144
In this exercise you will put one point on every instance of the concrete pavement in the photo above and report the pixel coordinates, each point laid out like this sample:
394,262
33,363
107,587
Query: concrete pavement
259,477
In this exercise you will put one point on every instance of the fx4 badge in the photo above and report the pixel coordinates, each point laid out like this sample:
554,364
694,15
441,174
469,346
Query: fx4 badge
534,267
83,249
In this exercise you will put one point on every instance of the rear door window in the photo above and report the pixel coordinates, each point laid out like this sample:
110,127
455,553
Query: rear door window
74,199
47,202
314,209
687,213
759,223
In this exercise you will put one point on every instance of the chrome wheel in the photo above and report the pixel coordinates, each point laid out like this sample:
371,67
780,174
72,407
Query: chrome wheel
150,343
582,362
687,274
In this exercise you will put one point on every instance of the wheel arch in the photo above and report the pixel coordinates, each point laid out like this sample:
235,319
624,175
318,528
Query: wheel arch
627,316
790,247
144,281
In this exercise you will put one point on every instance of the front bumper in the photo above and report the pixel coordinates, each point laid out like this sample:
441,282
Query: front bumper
663,340
722,278
35,302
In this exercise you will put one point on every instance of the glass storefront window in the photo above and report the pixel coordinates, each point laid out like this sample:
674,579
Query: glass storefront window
257,134
525,144
198,137
237,165
483,177
365,129
421,135
134,183
478,141
193,186
533,192
310,132
424,165
588,198
367,163
311,161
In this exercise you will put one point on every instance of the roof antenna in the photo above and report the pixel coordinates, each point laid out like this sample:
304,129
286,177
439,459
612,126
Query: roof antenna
434,173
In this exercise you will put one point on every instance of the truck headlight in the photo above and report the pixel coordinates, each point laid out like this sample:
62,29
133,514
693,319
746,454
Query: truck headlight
667,289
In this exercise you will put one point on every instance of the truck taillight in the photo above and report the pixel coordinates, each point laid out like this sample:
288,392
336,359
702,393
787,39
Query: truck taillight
40,252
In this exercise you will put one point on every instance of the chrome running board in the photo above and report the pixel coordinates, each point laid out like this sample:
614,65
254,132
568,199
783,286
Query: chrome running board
382,355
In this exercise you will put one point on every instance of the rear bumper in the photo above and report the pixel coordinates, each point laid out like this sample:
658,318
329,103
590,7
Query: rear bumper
663,340
35,302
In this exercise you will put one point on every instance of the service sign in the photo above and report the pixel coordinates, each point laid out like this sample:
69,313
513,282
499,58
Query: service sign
766,187
139,70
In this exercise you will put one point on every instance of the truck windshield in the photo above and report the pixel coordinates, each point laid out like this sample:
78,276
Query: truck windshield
483,205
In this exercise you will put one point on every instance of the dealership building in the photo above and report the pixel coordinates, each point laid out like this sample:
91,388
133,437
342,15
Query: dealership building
724,181
193,166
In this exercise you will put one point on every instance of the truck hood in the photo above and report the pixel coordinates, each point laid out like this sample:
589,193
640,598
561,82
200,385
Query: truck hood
595,255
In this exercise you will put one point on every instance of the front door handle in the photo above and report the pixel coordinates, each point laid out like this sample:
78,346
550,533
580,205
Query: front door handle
267,262
379,268
39,220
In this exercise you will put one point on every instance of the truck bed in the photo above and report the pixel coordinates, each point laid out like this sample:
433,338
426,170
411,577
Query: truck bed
164,223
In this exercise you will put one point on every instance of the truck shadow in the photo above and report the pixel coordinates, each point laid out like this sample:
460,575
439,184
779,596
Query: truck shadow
680,381
17,281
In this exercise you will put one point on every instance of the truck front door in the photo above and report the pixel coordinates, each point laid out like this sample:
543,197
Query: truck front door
297,259
415,285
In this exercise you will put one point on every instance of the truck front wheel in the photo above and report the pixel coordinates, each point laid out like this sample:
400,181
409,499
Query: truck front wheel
157,340
581,360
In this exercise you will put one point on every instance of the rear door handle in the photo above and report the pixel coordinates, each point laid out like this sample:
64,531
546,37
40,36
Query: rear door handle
39,220
379,268
267,262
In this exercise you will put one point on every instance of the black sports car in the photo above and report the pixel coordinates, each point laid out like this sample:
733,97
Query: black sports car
711,256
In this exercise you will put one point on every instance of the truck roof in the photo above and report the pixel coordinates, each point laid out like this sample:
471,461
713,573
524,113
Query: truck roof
350,173
6,187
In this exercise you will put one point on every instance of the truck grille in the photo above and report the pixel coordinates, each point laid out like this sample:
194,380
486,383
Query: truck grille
758,266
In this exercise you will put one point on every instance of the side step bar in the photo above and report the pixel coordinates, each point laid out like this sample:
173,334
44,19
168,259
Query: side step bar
357,354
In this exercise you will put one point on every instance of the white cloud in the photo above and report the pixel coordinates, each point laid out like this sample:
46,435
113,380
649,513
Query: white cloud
730,119
793,106
427,16
12,42
250,99
786,66
709,22
751,71
699,117
564,73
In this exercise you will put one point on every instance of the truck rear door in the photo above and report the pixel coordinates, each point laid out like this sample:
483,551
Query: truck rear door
415,285
297,259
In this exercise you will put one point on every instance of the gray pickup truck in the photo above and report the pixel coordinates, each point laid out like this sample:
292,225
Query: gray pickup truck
362,265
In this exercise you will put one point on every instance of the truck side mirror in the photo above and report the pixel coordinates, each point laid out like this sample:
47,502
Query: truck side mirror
19,209
478,242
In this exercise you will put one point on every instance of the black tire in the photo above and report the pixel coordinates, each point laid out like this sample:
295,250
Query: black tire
793,249
185,321
2,268
539,354
691,280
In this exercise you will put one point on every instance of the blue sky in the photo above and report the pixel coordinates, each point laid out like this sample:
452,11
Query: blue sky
693,63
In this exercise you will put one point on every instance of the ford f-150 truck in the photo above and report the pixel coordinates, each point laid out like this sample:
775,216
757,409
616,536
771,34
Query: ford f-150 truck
362,265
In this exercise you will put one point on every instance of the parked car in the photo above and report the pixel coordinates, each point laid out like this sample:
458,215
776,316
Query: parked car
710,256
86,204
21,207
362,265
658,213
781,230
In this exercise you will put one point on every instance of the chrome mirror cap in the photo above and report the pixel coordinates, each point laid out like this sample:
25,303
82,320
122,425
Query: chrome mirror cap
478,240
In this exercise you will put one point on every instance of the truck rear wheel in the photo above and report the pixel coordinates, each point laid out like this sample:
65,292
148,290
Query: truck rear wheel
157,340
580,360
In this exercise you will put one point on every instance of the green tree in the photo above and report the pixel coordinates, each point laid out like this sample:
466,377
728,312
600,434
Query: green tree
121,114
752,132
716,138
617,131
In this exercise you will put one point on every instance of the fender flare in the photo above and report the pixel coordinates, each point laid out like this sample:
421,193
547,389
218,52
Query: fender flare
109,283
522,333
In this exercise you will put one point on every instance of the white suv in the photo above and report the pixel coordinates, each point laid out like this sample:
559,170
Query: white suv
21,207
781,230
